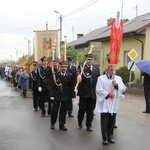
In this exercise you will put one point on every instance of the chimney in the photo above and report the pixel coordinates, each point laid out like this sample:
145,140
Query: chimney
79,35
109,21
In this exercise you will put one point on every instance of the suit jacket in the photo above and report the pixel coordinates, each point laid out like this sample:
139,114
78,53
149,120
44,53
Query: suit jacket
44,77
62,86
33,84
88,84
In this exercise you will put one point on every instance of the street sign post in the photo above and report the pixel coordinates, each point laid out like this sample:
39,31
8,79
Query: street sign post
131,65
132,54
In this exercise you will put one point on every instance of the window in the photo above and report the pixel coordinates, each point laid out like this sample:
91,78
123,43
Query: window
126,58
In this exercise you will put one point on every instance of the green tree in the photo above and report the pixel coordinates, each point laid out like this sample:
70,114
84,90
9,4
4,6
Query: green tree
71,51
126,73
82,56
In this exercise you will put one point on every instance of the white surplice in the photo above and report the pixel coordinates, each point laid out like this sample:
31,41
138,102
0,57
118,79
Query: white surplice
103,88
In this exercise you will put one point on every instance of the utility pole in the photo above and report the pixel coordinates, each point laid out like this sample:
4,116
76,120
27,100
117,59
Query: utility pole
60,25
60,29
46,25
122,10
16,55
136,10
29,51
73,33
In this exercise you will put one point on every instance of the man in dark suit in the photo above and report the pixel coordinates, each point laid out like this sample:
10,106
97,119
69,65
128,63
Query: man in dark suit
146,85
43,78
33,85
61,92
86,91
72,70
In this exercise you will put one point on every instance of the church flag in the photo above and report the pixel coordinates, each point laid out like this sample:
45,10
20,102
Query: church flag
116,40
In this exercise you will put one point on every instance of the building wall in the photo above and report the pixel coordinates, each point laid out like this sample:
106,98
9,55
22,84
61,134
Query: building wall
147,44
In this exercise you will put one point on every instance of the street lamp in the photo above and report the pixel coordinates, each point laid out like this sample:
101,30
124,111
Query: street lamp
60,25
16,55
28,47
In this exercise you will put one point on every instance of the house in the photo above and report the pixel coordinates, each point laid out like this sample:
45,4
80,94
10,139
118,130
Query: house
136,36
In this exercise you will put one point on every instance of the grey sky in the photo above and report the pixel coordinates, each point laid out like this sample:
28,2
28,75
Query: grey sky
19,18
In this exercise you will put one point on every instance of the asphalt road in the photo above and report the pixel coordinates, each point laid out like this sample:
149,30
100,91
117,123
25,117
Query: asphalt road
23,129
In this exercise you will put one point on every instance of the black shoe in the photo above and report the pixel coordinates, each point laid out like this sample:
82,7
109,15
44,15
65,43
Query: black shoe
35,109
111,140
42,115
115,126
89,129
52,126
63,128
147,112
80,125
105,142
70,115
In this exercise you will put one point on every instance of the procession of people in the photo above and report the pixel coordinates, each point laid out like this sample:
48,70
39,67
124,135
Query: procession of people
55,84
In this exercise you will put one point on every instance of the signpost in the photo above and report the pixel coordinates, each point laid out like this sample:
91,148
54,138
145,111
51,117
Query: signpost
131,65
132,54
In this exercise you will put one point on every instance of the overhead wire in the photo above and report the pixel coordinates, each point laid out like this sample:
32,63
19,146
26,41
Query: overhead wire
81,8
26,27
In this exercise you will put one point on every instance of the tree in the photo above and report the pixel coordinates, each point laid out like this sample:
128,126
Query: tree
71,51
82,56
125,73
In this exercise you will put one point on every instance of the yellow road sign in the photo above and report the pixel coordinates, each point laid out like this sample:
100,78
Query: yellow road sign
132,54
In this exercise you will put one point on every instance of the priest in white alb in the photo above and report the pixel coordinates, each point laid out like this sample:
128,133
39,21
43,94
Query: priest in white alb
109,90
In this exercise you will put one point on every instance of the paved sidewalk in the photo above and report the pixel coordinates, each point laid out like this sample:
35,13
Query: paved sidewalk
23,129
132,108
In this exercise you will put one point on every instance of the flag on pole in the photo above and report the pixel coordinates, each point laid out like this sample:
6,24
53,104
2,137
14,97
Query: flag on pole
63,55
116,39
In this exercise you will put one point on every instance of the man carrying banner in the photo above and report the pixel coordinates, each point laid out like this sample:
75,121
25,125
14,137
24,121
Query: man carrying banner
110,87
86,91
108,100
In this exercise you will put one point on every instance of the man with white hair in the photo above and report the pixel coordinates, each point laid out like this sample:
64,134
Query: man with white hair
109,89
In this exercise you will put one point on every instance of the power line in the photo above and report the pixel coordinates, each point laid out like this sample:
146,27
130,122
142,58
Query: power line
55,24
69,14
25,27
81,8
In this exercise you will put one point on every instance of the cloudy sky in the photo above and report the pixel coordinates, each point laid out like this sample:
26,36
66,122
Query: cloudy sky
19,18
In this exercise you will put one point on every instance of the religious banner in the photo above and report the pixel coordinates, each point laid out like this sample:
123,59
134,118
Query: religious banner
116,39
46,44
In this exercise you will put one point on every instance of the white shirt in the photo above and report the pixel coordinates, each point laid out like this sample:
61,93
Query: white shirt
103,88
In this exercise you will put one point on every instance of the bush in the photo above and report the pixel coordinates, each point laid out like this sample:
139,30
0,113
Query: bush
125,73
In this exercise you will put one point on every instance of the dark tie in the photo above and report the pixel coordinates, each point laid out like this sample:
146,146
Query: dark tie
90,71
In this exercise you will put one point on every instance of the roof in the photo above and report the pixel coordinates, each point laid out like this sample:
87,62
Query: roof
136,25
